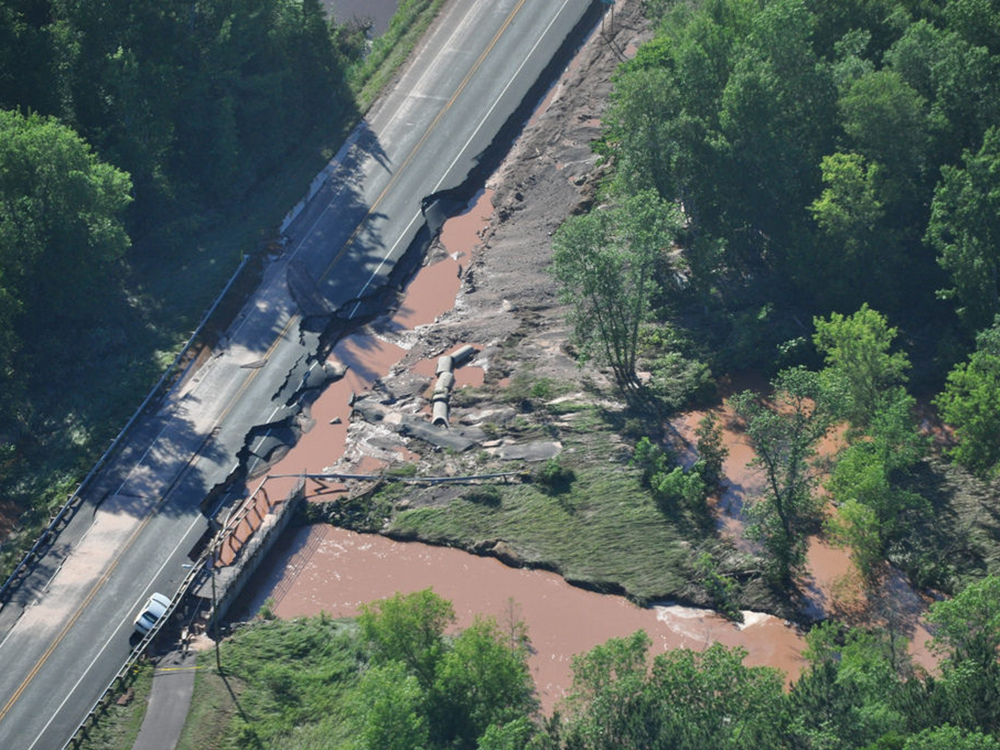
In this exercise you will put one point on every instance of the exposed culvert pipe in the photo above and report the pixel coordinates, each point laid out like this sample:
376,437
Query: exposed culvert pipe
461,355
445,364
445,382
439,413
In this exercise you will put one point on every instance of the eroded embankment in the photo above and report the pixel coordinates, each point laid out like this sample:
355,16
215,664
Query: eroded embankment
506,303
319,328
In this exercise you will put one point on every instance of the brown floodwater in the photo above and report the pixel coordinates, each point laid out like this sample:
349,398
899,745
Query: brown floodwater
322,568
832,585
368,357
326,569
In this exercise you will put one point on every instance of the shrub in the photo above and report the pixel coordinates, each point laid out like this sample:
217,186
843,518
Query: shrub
554,477
485,495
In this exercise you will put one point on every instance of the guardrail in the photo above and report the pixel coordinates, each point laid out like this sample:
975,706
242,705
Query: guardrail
65,512
200,570
120,679
402,477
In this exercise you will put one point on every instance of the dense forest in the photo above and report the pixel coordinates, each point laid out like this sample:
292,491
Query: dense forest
144,149
802,188
827,175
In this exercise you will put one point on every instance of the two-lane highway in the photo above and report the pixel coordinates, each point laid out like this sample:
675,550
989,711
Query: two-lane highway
67,630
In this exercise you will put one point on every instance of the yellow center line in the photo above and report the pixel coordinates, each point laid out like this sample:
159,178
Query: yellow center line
161,670
427,134
393,180
93,592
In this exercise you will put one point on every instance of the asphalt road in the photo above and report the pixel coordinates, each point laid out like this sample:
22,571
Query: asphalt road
67,629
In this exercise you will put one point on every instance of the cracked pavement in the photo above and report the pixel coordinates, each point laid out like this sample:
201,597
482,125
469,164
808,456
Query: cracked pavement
66,631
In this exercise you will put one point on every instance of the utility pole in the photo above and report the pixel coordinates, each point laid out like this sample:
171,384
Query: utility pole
215,616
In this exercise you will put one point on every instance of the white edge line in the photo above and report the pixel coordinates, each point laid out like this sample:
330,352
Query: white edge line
114,634
461,153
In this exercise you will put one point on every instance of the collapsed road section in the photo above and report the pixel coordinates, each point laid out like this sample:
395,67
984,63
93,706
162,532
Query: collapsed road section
64,631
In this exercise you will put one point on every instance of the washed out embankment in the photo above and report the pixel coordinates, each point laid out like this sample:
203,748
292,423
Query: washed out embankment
323,564
327,569
323,568
319,331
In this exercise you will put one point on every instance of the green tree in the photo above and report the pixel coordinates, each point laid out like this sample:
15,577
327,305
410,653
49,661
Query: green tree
784,435
855,349
971,403
60,239
683,700
408,628
514,735
712,451
856,526
605,263
482,680
887,122
968,633
853,693
874,510
964,229
848,214
60,210
603,702
390,704
948,737
776,120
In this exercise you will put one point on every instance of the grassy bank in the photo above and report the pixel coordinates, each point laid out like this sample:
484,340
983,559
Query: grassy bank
368,77
284,684
119,726
596,524
100,377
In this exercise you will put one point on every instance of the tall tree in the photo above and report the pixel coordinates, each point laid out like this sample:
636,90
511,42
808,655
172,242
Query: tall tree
408,628
784,434
887,122
683,700
964,228
482,680
606,263
971,403
856,350
389,712
874,510
60,235
969,635
851,246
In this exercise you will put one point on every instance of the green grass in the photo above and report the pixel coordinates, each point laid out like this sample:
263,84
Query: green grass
284,684
119,726
389,51
603,530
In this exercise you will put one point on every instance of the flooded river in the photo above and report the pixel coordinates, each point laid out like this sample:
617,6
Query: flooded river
322,568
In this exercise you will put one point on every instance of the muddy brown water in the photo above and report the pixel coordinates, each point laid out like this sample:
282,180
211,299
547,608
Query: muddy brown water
327,569
832,585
